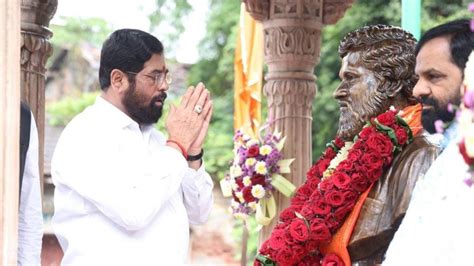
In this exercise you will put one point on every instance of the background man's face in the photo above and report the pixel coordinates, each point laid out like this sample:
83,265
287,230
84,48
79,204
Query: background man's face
439,82
357,96
144,98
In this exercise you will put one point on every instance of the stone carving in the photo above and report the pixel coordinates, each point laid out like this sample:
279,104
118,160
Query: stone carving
35,51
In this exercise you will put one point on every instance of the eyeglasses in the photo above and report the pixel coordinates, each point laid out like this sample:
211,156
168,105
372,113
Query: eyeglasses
158,78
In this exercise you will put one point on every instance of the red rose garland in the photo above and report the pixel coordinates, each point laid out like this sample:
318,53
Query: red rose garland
320,206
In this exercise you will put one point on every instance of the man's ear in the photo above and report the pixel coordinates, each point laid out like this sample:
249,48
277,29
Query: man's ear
394,89
118,81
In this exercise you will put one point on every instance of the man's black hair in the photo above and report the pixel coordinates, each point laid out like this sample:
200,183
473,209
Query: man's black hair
461,40
126,50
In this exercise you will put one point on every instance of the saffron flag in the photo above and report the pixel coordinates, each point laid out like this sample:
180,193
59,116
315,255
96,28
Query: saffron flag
248,68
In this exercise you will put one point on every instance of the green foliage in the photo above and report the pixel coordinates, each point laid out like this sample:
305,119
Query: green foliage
75,30
63,111
216,66
171,15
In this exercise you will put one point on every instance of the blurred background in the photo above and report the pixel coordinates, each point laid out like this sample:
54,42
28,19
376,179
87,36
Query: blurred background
199,39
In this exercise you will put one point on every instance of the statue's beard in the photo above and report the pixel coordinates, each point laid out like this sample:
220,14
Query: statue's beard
353,117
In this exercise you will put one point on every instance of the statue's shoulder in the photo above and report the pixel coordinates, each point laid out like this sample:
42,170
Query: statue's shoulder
421,149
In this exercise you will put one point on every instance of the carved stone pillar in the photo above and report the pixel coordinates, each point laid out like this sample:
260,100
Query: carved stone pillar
35,51
292,32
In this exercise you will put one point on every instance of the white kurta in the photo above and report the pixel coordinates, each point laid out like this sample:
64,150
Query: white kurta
122,196
30,217
438,228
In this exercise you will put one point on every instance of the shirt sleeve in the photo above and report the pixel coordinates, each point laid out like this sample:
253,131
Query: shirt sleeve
198,199
30,218
117,174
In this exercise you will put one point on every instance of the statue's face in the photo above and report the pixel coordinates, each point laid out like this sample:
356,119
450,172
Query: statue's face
357,95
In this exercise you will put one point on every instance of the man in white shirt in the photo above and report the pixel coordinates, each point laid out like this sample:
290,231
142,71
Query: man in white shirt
30,217
436,229
125,195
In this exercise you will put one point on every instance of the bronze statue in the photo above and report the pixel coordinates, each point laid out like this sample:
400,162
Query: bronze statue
378,72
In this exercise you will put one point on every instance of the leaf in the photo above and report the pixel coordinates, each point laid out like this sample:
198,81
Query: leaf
285,166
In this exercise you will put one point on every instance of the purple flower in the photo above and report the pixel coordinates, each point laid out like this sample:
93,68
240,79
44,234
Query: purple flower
469,99
471,7
450,108
468,182
439,126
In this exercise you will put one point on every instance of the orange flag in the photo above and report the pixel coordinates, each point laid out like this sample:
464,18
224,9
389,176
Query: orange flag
248,66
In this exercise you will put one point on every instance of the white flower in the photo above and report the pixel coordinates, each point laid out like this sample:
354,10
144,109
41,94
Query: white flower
265,150
233,185
234,204
258,191
250,161
240,196
261,168
253,205
247,181
251,142
235,171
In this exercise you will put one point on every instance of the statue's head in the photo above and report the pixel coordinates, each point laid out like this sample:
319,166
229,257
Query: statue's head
377,71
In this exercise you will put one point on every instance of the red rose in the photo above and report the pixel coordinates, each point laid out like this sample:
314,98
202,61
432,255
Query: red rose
334,197
247,193
341,212
277,240
304,190
287,214
346,166
387,118
463,151
298,252
316,195
366,132
350,196
321,166
313,183
354,155
326,185
285,257
329,153
239,182
374,174
381,143
321,207
402,136
372,160
307,211
312,172
339,142
341,180
298,200
311,245
359,182
258,180
299,230
332,260
310,260
332,223
319,231
253,151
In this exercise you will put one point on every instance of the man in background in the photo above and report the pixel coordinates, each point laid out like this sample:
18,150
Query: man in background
437,227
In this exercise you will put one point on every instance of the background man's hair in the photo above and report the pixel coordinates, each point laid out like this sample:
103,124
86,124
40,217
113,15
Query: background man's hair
126,50
461,40
388,51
